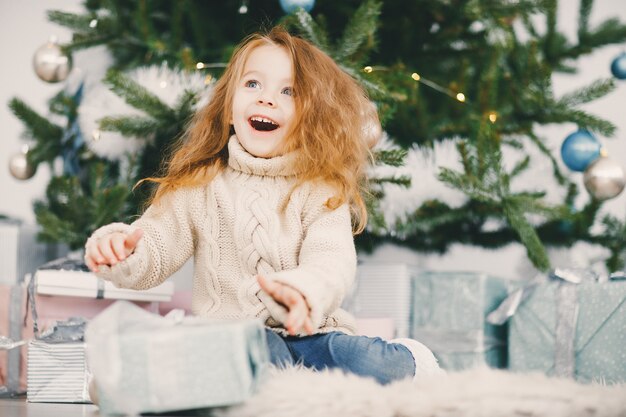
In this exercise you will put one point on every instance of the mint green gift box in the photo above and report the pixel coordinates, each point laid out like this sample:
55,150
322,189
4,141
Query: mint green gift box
145,363
591,347
448,316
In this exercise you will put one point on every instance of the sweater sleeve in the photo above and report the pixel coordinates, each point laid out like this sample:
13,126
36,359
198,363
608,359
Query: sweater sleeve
167,242
327,260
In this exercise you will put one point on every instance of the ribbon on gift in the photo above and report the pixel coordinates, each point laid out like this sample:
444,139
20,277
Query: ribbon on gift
450,341
566,310
70,330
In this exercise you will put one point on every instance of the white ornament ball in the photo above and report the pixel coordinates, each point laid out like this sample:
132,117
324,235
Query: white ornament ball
51,64
20,168
604,178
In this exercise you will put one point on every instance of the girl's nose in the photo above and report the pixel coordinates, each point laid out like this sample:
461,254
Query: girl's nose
265,101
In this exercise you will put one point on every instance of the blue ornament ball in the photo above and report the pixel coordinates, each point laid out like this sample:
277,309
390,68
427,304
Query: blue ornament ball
290,6
618,66
579,149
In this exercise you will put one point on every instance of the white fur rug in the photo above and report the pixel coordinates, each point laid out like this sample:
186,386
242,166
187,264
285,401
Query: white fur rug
475,393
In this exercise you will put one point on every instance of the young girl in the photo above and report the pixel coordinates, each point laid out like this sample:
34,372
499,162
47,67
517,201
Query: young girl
261,191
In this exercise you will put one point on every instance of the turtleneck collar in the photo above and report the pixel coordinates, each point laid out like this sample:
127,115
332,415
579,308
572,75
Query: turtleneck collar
240,160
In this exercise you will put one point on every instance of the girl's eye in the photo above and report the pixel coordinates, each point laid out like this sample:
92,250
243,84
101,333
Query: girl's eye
252,84
288,91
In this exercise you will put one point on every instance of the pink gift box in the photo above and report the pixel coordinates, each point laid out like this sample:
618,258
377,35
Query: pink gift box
56,308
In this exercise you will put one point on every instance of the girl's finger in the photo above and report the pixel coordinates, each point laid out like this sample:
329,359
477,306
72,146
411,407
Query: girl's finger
105,249
308,325
91,264
117,245
94,253
130,243
270,287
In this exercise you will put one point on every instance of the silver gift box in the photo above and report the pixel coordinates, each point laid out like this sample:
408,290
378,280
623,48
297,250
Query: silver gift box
142,362
57,372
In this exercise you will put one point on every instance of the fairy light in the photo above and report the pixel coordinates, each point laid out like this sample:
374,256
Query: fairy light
204,65
460,97
493,116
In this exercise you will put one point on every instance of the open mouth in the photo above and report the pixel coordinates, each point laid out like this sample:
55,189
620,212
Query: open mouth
262,124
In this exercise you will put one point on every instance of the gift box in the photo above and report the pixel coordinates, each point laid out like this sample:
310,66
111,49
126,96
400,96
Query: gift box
57,372
382,291
448,316
57,368
69,276
12,326
20,253
571,330
143,362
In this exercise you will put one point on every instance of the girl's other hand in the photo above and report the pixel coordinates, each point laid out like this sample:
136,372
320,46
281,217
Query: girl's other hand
293,300
111,249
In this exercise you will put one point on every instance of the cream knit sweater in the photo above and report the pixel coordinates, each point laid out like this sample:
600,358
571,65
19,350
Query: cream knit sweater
234,229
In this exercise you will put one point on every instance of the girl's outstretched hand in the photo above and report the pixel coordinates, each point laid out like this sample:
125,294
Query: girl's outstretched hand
111,249
293,300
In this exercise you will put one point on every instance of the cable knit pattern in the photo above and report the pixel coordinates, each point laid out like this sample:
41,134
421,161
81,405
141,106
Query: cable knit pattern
235,230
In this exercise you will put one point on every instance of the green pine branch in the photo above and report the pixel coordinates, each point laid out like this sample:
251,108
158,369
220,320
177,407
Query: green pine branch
137,96
46,134
360,30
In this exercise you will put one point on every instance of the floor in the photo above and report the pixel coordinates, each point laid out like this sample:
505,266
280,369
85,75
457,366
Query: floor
19,407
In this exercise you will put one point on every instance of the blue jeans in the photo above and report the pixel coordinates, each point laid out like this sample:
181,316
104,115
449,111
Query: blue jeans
361,355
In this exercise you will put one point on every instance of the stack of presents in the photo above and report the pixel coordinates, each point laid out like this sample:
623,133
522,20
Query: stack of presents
60,325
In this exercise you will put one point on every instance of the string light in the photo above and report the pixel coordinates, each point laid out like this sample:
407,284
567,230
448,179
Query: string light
493,116
204,65
415,76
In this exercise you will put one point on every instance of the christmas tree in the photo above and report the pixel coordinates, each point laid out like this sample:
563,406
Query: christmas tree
474,76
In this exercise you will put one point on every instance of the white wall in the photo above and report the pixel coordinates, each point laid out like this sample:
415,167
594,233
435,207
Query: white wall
24,27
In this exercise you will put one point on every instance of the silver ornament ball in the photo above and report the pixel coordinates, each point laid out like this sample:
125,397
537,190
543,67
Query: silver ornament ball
604,178
20,168
51,64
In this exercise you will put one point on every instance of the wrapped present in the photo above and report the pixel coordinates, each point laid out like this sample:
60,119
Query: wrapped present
383,291
571,326
143,362
69,276
448,316
13,330
57,367
20,253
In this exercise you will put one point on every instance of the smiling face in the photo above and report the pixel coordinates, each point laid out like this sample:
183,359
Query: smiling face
263,106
